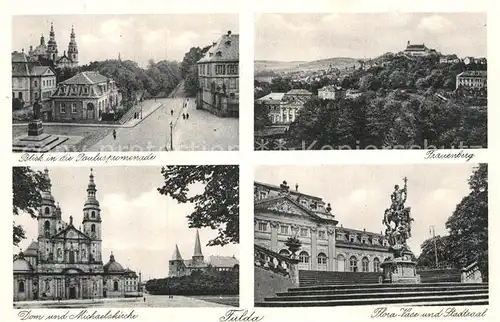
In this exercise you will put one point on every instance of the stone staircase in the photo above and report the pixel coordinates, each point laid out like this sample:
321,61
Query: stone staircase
317,278
423,294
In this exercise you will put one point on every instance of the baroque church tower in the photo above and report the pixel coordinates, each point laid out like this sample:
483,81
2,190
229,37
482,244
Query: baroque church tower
73,48
92,220
47,220
52,44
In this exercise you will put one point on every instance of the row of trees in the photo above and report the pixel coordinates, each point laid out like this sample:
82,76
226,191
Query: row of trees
198,283
393,120
467,240
189,70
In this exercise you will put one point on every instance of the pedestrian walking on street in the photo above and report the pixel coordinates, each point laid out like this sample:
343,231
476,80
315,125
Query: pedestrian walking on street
171,112
187,116
114,134
144,299
183,116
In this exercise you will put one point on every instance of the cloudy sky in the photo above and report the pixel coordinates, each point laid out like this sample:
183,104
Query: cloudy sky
135,37
289,37
359,194
139,225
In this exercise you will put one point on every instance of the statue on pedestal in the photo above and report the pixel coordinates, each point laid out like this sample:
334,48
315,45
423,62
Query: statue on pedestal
35,126
397,219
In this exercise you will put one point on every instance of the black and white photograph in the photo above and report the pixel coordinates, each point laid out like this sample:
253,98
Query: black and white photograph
120,83
125,237
389,80
346,235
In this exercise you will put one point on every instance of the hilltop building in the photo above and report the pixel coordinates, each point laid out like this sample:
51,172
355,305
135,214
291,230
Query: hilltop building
180,267
66,262
284,107
30,80
48,53
419,50
281,213
85,96
218,75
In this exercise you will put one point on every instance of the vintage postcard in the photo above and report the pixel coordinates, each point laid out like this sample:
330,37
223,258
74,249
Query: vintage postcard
370,81
413,235
122,237
120,83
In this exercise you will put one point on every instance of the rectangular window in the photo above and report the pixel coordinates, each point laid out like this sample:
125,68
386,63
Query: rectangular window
262,226
284,230
263,194
322,234
73,107
232,83
303,232
220,69
232,69
62,109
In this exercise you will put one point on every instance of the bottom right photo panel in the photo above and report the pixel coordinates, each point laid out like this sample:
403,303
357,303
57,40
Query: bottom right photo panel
343,235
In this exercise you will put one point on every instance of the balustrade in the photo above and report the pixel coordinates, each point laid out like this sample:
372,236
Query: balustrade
276,263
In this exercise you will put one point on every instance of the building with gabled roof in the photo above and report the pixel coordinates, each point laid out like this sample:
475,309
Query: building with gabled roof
419,50
281,212
65,262
218,76
85,96
183,267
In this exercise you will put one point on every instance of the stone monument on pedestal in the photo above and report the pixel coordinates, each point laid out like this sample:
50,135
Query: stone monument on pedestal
37,140
397,219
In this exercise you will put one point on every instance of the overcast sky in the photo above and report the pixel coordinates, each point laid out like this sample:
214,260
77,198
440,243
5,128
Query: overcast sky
135,37
139,225
289,37
359,194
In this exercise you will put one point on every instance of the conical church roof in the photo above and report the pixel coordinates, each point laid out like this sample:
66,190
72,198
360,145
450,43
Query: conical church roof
177,254
197,245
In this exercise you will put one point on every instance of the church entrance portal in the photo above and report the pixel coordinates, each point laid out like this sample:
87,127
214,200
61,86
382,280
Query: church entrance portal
72,292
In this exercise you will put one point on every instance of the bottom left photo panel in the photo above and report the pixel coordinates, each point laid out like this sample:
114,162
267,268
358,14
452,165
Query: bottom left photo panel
126,236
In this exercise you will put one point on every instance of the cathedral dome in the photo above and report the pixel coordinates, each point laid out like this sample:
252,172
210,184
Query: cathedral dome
21,265
113,266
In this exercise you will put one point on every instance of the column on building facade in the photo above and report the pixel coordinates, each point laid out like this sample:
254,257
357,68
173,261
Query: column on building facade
331,250
274,236
281,114
314,248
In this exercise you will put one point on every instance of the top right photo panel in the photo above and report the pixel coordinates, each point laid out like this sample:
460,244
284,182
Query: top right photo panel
370,81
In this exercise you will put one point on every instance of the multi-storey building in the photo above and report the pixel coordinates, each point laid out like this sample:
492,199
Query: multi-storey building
475,79
218,75
419,50
65,262
281,213
85,96
30,80
284,107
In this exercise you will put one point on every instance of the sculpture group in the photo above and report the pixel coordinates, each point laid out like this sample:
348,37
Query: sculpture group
398,220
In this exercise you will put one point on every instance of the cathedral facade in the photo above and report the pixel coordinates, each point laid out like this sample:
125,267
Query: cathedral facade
66,262
48,52
281,213
180,267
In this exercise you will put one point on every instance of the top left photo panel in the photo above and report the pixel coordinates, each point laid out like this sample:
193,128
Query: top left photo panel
120,83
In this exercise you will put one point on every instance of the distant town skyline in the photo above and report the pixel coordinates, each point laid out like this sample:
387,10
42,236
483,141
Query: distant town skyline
133,37
309,37
139,225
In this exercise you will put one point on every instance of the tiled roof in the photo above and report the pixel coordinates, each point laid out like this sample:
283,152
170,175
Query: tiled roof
298,92
416,47
293,192
473,73
39,70
191,263
223,261
18,57
330,88
225,49
272,97
87,78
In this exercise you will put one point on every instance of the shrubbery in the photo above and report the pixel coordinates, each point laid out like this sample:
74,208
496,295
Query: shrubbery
198,283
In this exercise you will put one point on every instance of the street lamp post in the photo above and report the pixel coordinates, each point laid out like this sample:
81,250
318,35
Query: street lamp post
435,246
171,137
141,110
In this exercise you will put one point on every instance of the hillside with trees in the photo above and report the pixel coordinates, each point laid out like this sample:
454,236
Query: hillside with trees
405,103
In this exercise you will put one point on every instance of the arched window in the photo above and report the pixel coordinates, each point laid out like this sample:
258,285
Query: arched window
284,252
92,228
376,264
92,214
47,210
340,263
321,259
353,264
115,286
365,262
304,257
21,287
46,225
59,253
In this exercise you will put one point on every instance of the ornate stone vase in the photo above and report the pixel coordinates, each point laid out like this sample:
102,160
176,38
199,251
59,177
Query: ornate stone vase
293,245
